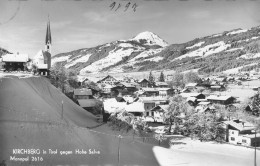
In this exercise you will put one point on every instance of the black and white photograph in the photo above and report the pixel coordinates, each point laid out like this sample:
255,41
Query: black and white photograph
129,82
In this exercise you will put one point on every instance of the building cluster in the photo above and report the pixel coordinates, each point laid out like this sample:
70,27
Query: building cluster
150,100
22,62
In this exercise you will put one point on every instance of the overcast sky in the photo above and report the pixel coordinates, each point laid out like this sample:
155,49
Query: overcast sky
88,23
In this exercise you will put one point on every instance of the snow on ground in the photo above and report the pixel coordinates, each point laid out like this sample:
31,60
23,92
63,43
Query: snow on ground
195,153
196,45
235,70
60,59
242,93
249,56
156,59
237,32
206,51
84,58
255,37
125,45
146,54
132,62
18,74
234,49
151,38
112,58
36,115
216,35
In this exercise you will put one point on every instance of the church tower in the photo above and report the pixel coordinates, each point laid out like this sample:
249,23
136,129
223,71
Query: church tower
48,37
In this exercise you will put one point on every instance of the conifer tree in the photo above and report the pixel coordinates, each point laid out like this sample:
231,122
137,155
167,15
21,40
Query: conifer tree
151,77
161,78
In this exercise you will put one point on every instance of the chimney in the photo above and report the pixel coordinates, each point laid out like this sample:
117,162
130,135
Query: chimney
243,124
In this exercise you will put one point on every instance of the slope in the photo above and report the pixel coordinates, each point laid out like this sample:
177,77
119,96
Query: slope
31,118
147,51
110,55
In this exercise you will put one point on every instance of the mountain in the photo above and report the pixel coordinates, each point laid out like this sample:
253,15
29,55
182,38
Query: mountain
147,51
116,56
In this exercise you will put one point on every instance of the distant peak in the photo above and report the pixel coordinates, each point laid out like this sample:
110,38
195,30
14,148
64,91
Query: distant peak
152,38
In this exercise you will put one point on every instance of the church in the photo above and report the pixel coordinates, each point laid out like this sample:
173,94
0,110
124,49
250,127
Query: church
42,60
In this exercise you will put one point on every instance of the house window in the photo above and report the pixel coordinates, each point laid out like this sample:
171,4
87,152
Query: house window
232,139
232,132
243,140
147,113
152,113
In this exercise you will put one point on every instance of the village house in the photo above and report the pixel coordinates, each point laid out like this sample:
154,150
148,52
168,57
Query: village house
161,85
82,94
157,112
196,95
217,87
242,133
145,83
108,80
92,105
15,62
224,100
124,88
191,86
205,106
106,88
136,108
151,102
111,105
150,92
166,91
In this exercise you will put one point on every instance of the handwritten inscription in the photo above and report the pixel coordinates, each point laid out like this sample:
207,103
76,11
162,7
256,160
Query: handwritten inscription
116,6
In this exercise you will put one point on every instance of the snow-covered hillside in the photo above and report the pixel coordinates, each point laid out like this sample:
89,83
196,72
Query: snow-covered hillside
206,50
119,54
147,51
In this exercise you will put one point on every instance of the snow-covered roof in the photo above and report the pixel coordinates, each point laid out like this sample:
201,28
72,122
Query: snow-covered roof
240,125
15,57
204,103
163,107
191,85
111,105
186,95
153,99
83,92
135,107
214,97
161,83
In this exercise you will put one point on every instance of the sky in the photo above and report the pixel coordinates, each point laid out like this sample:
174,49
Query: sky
77,24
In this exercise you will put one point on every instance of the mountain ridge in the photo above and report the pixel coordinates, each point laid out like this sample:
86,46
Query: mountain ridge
147,51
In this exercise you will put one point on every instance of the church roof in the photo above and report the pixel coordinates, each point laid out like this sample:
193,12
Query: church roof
48,33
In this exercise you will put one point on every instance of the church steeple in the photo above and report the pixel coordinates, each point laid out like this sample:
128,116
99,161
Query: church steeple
48,37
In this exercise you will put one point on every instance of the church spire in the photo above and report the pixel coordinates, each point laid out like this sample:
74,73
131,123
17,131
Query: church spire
48,37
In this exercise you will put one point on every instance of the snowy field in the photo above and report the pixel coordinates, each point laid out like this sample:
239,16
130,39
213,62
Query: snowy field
195,153
18,74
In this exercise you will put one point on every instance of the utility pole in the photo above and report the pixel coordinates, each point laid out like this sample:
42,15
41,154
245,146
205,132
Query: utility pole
62,109
118,161
255,147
